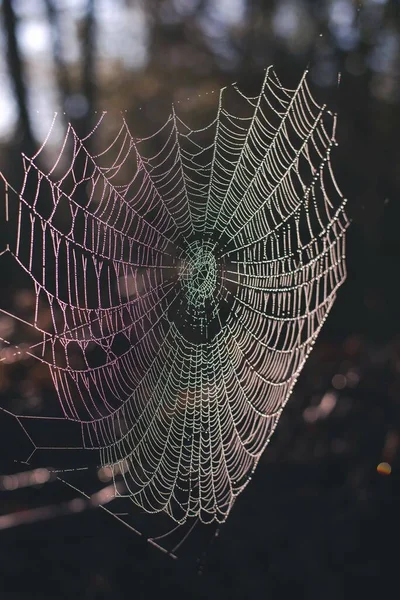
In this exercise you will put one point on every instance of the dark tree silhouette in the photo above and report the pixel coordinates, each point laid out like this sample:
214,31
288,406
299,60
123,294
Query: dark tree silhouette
15,65
64,85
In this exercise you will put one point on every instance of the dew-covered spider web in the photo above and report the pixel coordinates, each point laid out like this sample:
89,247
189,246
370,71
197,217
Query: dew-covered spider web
179,283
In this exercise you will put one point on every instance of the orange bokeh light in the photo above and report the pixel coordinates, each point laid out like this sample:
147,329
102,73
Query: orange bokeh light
384,468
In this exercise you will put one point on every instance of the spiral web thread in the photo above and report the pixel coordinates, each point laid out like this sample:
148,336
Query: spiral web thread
178,292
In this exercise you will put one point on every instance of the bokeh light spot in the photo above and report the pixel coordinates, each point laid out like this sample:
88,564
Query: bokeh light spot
384,468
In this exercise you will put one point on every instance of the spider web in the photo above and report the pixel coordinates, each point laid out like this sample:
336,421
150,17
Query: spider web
180,282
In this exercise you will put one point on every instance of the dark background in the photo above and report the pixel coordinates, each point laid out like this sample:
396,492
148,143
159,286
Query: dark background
318,520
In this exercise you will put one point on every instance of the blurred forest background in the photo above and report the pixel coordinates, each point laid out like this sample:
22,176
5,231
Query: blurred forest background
320,519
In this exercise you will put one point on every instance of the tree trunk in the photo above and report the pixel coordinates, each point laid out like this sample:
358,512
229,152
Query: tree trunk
16,68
